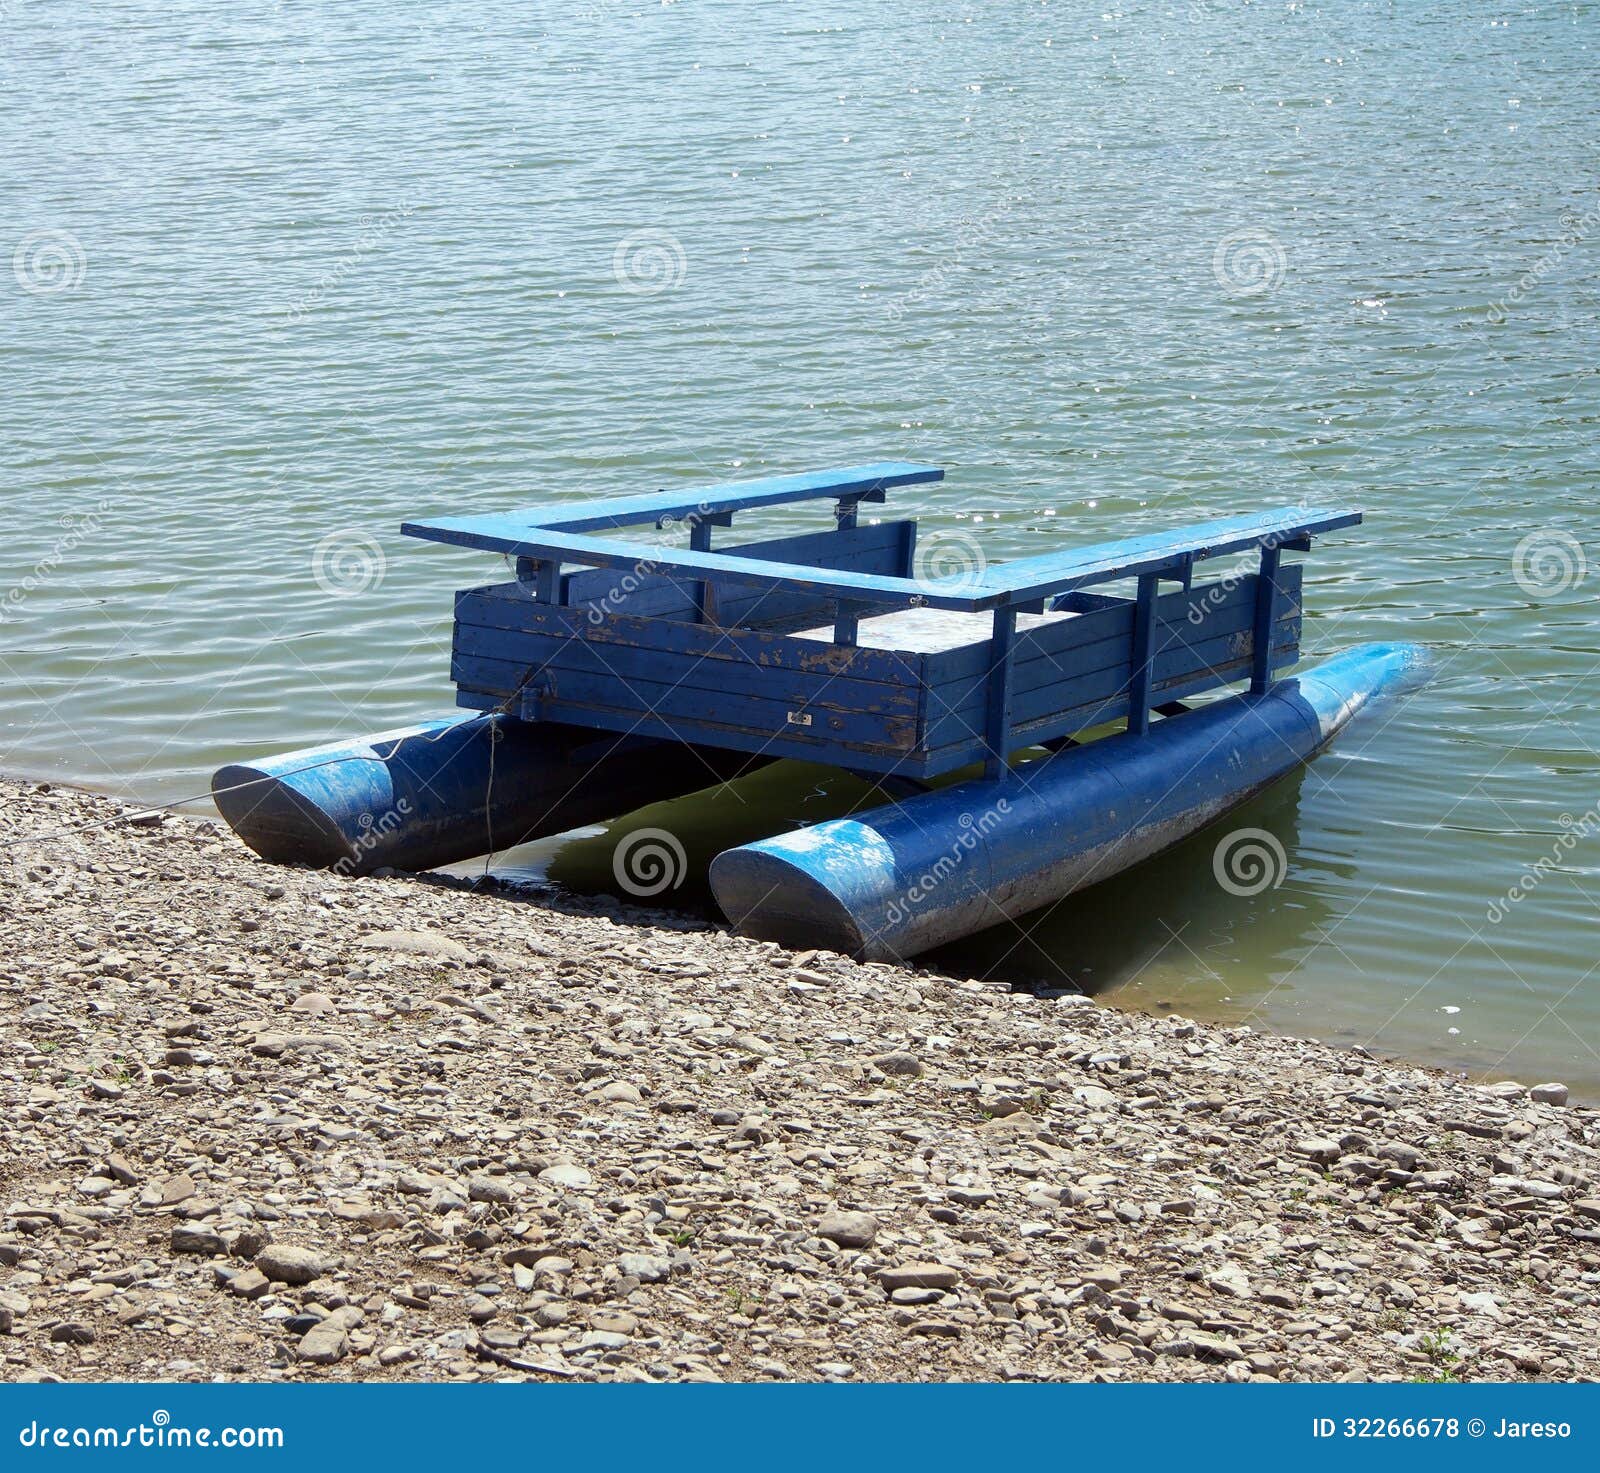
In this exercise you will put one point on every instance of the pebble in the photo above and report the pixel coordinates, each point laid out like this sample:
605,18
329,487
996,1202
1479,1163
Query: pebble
849,1229
918,1276
285,1263
580,1142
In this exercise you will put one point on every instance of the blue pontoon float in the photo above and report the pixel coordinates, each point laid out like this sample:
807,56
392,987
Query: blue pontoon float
610,673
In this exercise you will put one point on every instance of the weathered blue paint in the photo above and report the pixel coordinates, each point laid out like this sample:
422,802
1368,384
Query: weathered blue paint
899,880
561,534
449,789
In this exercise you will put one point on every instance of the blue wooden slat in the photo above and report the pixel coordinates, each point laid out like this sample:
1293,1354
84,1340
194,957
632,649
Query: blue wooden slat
1266,611
629,667
1144,612
500,605
569,694
700,503
1213,663
1052,572
1005,584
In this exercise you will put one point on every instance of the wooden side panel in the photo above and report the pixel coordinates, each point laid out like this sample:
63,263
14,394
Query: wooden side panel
1078,672
695,682
646,593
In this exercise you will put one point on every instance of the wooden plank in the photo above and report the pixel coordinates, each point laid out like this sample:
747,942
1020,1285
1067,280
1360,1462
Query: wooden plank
1069,642
792,743
569,695
629,664
961,709
1024,581
1061,722
501,606
701,502
1052,572
653,595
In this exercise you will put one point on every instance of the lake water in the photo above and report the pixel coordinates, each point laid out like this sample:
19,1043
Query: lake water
284,275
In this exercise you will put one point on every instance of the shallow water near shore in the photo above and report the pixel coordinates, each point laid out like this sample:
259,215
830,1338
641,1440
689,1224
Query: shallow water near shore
278,284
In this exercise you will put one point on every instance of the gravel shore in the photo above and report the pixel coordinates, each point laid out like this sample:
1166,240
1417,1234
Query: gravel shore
264,1123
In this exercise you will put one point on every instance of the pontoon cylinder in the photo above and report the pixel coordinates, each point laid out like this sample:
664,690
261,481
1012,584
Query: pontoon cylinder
451,789
899,880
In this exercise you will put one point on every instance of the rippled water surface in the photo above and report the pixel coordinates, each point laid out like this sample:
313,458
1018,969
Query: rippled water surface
286,274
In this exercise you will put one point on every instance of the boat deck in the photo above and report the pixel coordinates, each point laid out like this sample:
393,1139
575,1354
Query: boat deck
838,646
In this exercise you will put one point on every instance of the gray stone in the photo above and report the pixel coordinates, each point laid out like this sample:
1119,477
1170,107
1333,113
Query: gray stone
918,1276
906,1065
489,1189
285,1263
849,1229
417,943
325,1344
566,1174
645,1267
189,1239
251,1284
1548,1094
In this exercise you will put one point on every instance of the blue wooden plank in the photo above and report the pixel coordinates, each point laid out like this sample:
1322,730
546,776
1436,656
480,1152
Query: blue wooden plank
1204,664
501,606
997,702
1144,612
1108,631
1005,584
628,665
1054,572
865,549
1090,708
567,693
1266,611
699,503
